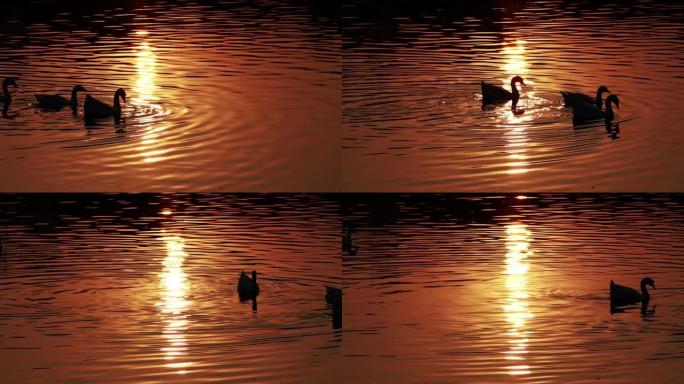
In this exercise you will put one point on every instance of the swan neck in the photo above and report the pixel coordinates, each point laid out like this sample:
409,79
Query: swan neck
609,111
515,92
599,100
74,97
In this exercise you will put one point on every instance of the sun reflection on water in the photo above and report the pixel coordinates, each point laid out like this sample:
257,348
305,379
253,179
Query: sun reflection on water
516,308
146,92
173,305
146,70
515,63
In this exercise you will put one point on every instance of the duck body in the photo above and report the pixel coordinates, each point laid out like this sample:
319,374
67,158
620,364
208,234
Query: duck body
247,288
52,101
58,101
572,98
586,111
94,108
493,93
6,96
621,295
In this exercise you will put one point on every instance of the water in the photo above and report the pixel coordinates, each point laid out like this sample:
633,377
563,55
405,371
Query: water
487,289
141,288
222,95
412,113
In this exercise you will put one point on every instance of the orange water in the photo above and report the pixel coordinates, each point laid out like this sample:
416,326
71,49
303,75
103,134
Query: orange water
142,289
221,96
489,289
412,113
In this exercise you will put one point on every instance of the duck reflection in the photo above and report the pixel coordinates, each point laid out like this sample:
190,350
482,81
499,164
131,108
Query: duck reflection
612,129
173,304
333,296
516,308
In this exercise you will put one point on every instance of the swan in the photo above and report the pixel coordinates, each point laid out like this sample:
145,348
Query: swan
492,93
333,296
94,108
248,288
58,101
621,295
571,98
6,97
583,111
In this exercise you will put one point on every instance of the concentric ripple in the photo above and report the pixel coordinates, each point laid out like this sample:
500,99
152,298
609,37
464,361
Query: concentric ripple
412,113
215,99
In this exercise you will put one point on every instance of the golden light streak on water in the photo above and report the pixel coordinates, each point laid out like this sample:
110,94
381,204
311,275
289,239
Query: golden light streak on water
516,308
174,305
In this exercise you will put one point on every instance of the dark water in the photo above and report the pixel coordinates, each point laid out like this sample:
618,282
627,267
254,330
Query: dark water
222,95
412,114
487,289
141,289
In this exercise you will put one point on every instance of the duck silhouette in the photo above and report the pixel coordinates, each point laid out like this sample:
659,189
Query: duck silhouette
58,101
621,295
95,109
247,288
6,97
493,93
583,111
571,98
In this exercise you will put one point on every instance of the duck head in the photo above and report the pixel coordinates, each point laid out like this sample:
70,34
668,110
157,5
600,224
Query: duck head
120,93
613,99
517,79
647,281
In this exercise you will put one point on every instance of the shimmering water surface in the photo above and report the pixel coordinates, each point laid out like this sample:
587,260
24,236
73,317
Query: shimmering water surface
222,95
142,289
485,289
412,113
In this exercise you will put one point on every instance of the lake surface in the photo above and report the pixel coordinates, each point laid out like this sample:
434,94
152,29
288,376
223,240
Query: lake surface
221,95
412,112
486,289
142,288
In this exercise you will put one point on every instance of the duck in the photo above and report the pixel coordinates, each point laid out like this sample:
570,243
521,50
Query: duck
333,296
492,93
94,108
583,111
621,295
248,288
6,96
58,101
571,98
